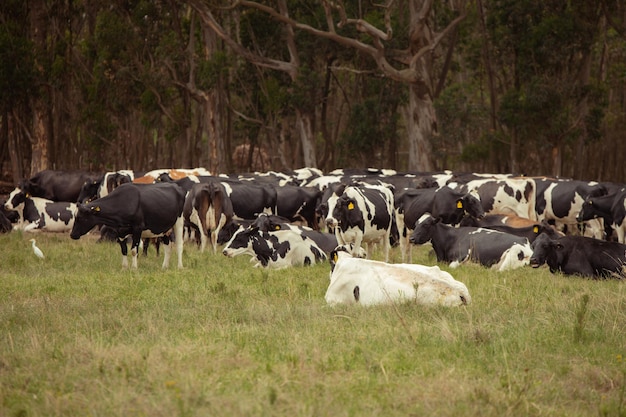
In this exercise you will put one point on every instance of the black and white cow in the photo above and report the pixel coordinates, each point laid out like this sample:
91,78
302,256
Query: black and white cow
498,250
560,201
274,249
446,204
362,214
268,222
57,185
367,282
503,196
38,213
101,187
139,210
579,255
208,208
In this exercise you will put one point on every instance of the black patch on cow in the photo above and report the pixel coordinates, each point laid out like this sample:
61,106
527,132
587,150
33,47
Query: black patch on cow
357,293
59,212
518,195
509,190
520,255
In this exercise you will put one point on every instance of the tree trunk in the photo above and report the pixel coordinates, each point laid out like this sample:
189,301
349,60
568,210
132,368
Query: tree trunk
421,124
40,135
307,139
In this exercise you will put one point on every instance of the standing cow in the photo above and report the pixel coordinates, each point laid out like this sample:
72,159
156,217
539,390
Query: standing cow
139,210
209,209
446,204
362,214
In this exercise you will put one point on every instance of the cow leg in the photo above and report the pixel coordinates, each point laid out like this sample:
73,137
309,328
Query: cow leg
178,239
124,249
619,228
358,240
134,249
167,251
386,246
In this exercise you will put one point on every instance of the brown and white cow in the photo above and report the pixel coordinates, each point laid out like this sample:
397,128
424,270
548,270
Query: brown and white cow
209,208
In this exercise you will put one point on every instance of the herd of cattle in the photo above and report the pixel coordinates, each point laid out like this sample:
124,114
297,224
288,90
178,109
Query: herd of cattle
305,216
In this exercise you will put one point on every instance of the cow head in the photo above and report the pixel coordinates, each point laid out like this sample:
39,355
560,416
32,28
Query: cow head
345,214
545,250
89,191
424,229
17,197
241,242
471,205
587,211
344,251
87,217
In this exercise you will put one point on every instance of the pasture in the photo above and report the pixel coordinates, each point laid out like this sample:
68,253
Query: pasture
81,336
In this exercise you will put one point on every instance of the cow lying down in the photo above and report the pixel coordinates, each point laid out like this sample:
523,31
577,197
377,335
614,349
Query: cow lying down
367,282
274,249
580,255
492,248
38,213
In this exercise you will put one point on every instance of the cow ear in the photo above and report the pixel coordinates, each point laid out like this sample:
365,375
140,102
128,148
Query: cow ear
459,203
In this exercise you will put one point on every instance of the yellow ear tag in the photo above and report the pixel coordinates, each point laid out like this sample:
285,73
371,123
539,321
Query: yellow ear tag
277,227
351,206
459,204
96,208
335,257
27,195
536,229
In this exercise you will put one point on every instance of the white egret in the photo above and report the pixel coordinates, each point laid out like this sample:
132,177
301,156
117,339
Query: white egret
36,250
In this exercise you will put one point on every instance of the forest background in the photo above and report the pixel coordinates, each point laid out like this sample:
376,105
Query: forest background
535,87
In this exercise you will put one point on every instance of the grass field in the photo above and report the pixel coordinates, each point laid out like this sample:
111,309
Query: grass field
79,336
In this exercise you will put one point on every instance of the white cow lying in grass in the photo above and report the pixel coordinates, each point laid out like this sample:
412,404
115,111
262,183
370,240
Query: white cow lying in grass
367,282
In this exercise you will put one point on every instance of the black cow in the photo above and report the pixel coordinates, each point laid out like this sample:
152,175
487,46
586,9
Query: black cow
448,205
298,204
491,248
5,224
611,208
57,185
140,210
579,255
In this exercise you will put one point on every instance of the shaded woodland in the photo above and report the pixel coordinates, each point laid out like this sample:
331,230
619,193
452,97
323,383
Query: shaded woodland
526,86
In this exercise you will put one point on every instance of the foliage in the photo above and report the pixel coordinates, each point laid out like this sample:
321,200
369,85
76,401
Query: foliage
80,335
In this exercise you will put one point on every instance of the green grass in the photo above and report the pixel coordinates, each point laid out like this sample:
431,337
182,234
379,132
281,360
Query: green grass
81,336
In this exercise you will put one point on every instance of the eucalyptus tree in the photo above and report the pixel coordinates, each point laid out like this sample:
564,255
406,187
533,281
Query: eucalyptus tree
410,63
